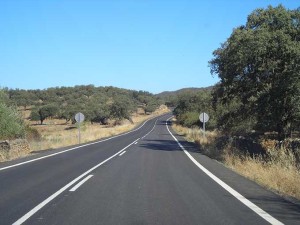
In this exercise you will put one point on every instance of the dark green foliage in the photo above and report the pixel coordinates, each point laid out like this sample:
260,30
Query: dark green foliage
259,68
68,113
151,107
121,108
44,112
189,119
97,112
190,105
22,98
34,115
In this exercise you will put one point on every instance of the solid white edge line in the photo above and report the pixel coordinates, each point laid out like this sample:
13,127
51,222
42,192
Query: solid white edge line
71,149
80,183
53,196
123,153
233,192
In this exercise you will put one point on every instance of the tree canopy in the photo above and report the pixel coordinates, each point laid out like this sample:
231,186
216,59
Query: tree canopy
259,69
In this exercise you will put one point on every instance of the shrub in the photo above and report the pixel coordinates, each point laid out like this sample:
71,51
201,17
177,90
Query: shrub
188,119
11,124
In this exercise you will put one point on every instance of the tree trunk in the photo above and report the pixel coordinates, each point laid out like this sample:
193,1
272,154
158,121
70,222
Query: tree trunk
280,132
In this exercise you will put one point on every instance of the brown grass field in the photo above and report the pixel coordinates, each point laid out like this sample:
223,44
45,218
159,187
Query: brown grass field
280,174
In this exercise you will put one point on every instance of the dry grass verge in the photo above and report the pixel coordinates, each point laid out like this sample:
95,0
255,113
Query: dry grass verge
196,135
272,175
277,172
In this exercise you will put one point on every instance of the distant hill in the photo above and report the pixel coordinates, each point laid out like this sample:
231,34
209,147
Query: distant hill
167,94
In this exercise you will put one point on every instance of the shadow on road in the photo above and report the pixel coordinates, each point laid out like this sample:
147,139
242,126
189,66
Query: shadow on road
168,145
163,122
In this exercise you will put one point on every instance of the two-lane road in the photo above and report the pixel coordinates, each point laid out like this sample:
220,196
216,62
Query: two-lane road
143,177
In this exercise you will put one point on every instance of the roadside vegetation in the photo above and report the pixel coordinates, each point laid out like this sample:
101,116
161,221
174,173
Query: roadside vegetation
45,118
277,168
255,108
11,122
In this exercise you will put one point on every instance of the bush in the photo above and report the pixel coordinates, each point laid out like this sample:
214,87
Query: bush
188,119
11,124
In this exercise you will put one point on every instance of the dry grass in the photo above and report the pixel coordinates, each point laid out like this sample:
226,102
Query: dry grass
57,134
284,180
278,173
196,135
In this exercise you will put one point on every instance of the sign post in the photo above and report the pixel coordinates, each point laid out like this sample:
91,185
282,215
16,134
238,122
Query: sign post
203,118
79,117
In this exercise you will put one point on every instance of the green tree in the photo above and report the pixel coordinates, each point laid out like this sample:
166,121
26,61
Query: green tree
151,107
121,108
44,112
259,66
68,112
22,98
34,115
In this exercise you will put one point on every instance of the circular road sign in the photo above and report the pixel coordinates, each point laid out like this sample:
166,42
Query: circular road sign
203,117
79,117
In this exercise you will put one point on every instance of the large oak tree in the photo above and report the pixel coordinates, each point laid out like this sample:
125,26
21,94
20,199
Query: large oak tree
259,65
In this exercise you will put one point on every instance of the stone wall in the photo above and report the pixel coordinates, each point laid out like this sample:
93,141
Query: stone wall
13,149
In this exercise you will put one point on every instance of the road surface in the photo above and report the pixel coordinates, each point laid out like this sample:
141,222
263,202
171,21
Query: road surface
147,176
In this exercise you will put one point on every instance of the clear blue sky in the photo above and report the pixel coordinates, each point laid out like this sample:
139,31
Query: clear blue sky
152,45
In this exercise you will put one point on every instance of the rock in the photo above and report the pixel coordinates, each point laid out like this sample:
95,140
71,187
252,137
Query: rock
13,149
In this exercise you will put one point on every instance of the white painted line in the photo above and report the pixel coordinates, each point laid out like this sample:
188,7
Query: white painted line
53,196
233,192
71,149
150,130
81,183
135,143
122,153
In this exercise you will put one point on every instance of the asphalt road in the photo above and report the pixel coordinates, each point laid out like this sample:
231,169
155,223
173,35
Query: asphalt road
143,177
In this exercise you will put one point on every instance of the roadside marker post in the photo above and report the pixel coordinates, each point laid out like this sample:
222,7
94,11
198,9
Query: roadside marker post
79,117
203,117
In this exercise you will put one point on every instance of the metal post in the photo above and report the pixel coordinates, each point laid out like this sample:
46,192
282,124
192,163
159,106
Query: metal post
79,130
203,126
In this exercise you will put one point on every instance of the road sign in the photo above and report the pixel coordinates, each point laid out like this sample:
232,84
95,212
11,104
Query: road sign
79,117
203,117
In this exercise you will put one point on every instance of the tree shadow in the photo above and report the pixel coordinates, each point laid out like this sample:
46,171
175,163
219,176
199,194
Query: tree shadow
168,145
163,122
70,128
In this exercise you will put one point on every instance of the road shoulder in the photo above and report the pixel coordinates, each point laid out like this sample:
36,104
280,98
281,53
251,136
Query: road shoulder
281,208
